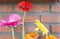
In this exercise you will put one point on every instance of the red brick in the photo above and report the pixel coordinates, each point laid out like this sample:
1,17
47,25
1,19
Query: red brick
5,29
35,8
27,29
5,8
30,28
55,8
18,29
50,18
8,37
17,9
55,29
40,8
30,18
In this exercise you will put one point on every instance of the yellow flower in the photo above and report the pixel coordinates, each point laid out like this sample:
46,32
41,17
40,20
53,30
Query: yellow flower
41,27
49,37
31,35
52,36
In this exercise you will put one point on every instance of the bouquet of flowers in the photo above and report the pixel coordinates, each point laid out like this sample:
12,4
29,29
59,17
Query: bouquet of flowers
14,19
26,6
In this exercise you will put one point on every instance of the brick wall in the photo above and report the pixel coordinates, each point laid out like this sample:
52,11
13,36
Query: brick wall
48,13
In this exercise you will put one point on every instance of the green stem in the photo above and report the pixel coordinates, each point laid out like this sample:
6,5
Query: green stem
23,32
13,36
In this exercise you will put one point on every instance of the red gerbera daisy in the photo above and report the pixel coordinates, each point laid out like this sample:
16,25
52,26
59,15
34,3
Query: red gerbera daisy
25,6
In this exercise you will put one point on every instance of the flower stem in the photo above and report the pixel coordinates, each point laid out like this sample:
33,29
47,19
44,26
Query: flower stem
23,32
13,36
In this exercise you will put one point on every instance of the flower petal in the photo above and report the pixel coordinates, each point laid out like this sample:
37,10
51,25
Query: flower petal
41,27
3,21
13,18
25,6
